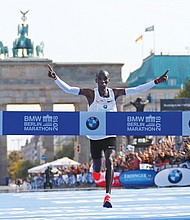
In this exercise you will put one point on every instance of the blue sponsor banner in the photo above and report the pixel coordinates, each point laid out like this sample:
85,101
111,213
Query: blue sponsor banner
92,123
133,178
1,122
40,123
144,123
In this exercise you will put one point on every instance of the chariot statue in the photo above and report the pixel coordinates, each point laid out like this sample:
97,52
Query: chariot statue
23,42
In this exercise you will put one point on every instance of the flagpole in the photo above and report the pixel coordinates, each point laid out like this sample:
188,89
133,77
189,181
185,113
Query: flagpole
142,50
148,29
154,43
140,39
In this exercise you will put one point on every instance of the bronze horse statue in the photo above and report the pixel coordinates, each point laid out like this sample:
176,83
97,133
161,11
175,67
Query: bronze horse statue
40,49
4,50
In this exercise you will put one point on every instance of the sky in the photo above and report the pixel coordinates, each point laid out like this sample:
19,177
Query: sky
91,31
14,142
100,30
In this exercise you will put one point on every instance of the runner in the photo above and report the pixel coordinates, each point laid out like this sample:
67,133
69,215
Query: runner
103,98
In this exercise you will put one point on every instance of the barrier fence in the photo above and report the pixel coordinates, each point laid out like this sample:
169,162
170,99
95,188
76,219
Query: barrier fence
94,123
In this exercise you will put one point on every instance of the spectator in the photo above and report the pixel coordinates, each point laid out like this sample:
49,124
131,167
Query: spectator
136,161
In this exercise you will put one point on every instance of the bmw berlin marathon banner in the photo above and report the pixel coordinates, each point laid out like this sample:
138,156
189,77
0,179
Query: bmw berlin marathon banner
40,123
94,123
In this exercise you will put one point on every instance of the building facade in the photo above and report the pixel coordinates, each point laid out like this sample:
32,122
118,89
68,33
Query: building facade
153,67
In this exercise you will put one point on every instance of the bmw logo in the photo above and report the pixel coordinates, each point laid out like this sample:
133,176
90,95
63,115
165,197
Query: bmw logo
175,176
92,123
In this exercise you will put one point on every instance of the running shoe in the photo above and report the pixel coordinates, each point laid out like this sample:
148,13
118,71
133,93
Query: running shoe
107,201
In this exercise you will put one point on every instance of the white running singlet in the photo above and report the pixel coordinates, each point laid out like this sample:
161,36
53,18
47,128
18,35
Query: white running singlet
102,104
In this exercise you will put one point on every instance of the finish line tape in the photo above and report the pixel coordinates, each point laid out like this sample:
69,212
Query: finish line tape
94,123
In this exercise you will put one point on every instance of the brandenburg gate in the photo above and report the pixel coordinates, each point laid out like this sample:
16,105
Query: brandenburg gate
25,81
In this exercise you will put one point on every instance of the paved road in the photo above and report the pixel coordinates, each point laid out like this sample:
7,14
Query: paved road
151,203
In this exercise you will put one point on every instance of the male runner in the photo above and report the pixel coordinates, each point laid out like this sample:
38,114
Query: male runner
103,98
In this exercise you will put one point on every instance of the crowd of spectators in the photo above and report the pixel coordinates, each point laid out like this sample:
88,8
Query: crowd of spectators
165,153
71,176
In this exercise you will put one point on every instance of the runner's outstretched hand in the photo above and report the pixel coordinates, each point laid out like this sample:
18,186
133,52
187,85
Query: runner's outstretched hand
51,73
162,78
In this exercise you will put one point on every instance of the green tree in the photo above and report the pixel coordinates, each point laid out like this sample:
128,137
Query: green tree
184,93
15,158
22,170
17,167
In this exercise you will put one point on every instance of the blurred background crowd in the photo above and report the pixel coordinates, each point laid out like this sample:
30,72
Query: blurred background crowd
163,154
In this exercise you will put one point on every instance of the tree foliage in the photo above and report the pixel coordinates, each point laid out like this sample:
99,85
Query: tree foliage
185,93
66,150
17,167
22,169
14,160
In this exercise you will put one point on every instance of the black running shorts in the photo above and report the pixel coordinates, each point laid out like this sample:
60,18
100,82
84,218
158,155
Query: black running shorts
97,146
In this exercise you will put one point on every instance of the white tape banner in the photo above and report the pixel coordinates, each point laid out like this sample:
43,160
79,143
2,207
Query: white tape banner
185,123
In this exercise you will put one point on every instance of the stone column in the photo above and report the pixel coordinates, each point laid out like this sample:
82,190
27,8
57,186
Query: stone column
3,155
47,141
84,154
3,159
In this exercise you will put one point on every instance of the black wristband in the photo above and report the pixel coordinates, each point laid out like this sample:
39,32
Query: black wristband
156,81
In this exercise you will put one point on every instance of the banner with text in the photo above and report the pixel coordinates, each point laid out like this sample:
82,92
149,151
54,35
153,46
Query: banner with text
40,123
144,123
94,123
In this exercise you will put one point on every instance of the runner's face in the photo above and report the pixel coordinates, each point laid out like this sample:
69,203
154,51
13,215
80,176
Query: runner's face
102,80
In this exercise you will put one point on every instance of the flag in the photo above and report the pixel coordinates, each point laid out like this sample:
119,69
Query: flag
151,28
138,39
